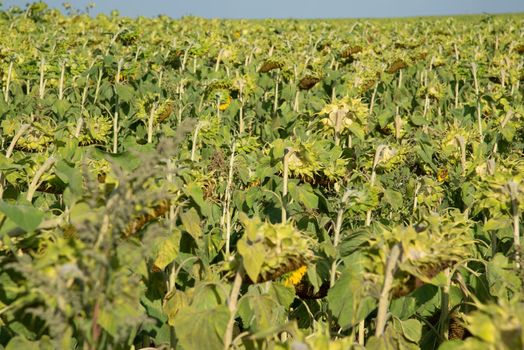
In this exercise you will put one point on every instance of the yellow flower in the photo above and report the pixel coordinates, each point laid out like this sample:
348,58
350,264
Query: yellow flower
294,277
223,106
442,175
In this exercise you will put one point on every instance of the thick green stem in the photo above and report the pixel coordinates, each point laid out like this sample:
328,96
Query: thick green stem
275,102
336,234
61,82
241,110
41,90
98,84
513,191
117,107
150,123
477,93
194,143
378,154
287,153
232,305
8,82
398,123
226,214
383,303
444,307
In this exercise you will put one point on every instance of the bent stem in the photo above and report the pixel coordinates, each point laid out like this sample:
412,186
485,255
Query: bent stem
36,179
383,303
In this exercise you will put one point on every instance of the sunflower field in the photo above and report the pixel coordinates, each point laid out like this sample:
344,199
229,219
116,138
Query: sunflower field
260,184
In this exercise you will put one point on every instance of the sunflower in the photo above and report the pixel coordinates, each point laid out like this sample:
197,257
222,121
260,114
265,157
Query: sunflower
224,104
294,277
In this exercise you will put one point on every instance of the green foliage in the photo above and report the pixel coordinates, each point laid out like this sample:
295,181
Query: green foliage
142,183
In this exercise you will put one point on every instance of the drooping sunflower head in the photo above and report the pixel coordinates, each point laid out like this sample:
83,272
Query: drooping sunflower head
269,251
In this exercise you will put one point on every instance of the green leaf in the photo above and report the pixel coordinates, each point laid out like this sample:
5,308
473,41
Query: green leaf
424,300
418,119
202,329
261,312
497,224
282,294
70,175
508,132
124,92
115,317
348,301
195,192
209,295
481,325
60,107
385,117
357,130
19,343
502,280
252,258
304,194
191,221
393,198
411,329
25,216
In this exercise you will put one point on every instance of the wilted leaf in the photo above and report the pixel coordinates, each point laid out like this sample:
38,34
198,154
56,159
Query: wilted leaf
191,221
168,248
173,303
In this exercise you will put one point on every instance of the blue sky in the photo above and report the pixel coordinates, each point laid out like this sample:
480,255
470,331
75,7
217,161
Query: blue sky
291,8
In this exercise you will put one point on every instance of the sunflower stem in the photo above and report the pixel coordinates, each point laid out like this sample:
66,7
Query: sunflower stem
8,82
383,303
444,307
38,175
61,82
287,153
513,192
474,71
115,116
232,305
226,213
41,89
336,235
